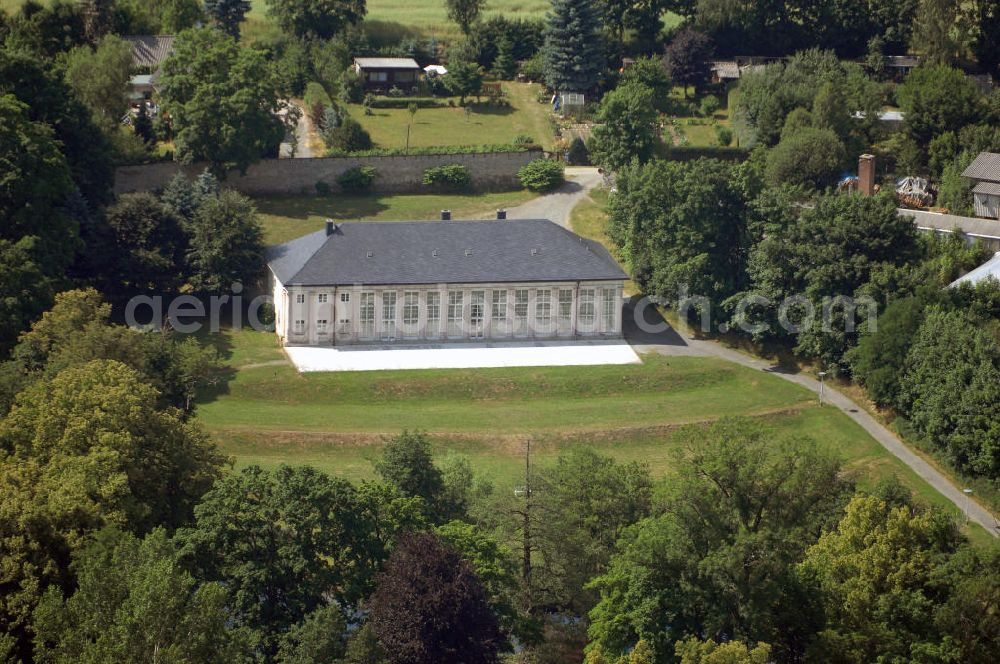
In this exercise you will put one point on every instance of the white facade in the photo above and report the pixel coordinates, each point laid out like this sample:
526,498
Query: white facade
363,314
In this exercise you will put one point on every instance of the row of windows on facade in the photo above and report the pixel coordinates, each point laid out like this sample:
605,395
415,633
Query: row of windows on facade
456,302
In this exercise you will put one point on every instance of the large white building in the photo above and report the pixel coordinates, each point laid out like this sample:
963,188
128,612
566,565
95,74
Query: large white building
437,281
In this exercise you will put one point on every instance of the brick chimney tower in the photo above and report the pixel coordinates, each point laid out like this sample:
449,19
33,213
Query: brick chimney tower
866,174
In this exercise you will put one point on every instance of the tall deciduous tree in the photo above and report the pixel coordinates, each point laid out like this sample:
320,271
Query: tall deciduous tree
876,574
649,71
717,561
464,79
36,183
936,99
99,78
226,243
936,33
429,607
318,18
86,449
573,53
407,464
49,100
951,389
687,58
222,100
601,499
682,228
626,129
147,243
159,608
320,637
830,250
283,544
228,14
986,44
102,416
465,12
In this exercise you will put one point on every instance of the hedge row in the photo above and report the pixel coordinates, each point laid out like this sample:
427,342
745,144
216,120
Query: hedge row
438,149
689,153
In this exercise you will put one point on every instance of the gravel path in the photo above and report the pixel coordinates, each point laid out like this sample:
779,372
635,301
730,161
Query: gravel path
557,205
671,342
302,149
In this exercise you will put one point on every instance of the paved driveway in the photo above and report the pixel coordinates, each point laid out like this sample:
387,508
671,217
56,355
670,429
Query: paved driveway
558,205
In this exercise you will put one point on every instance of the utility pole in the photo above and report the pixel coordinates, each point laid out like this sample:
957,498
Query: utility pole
525,515
526,552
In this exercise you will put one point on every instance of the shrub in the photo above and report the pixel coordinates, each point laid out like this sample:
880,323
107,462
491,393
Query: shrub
533,69
317,101
523,139
357,179
542,175
449,176
724,135
709,105
395,92
350,136
578,155
811,157
331,119
352,87
322,188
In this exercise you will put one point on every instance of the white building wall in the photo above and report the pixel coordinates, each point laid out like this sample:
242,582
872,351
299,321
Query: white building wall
300,312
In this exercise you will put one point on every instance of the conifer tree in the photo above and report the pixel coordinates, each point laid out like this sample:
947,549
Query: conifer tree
504,66
574,53
228,14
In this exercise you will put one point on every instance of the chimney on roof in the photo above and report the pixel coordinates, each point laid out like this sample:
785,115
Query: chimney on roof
445,215
501,214
331,227
866,174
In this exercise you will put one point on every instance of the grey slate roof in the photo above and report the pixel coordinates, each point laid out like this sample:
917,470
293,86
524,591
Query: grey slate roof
986,166
987,188
431,252
387,63
150,50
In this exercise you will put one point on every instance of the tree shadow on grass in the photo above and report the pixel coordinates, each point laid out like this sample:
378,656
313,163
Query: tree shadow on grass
334,207
486,109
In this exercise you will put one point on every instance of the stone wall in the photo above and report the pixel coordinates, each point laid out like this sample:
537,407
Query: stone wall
299,176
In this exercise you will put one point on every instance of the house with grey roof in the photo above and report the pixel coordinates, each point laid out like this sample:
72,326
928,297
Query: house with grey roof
149,51
985,171
440,281
386,73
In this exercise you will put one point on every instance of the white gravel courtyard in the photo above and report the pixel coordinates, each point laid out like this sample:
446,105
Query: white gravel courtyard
461,356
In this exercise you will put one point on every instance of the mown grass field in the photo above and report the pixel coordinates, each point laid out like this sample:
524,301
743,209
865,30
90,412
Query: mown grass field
285,218
589,218
430,17
268,414
481,125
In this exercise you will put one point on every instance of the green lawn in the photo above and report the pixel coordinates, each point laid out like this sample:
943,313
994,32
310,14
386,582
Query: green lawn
430,17
589,218
287,217
268,414
482,125
693,129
